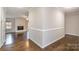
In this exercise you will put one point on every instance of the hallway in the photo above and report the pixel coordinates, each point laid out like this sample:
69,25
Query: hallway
21,43
49,29
18,43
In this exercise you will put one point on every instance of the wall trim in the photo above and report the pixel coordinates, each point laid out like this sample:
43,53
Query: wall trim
36,43
41,46
1,44
46,29
72,34
53,41
52,29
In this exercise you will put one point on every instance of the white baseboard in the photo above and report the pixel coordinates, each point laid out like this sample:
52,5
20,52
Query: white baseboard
46,30
72,34
52,42
46,44
1,45
36,43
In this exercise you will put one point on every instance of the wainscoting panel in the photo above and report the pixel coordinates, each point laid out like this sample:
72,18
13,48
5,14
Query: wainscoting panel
36,36
52,36
43,38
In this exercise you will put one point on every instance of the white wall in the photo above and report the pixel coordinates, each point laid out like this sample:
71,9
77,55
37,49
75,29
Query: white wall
17,21
36,25
72,23
21,22
46,25
53,25
2,27
12,20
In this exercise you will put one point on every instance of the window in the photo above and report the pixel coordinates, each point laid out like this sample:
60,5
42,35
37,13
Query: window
8,25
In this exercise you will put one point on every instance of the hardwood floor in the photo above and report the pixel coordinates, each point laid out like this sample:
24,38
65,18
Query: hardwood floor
21,43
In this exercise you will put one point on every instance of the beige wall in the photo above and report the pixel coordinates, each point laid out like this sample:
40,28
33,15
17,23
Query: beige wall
72,23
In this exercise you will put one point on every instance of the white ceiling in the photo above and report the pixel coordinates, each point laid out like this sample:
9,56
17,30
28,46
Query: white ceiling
15,11
71,9
20,11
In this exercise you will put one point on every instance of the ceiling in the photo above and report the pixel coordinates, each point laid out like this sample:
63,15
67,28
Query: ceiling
71,10
20,11
15,11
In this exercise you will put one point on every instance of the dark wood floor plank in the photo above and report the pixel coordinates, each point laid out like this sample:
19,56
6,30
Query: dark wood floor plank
21,43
